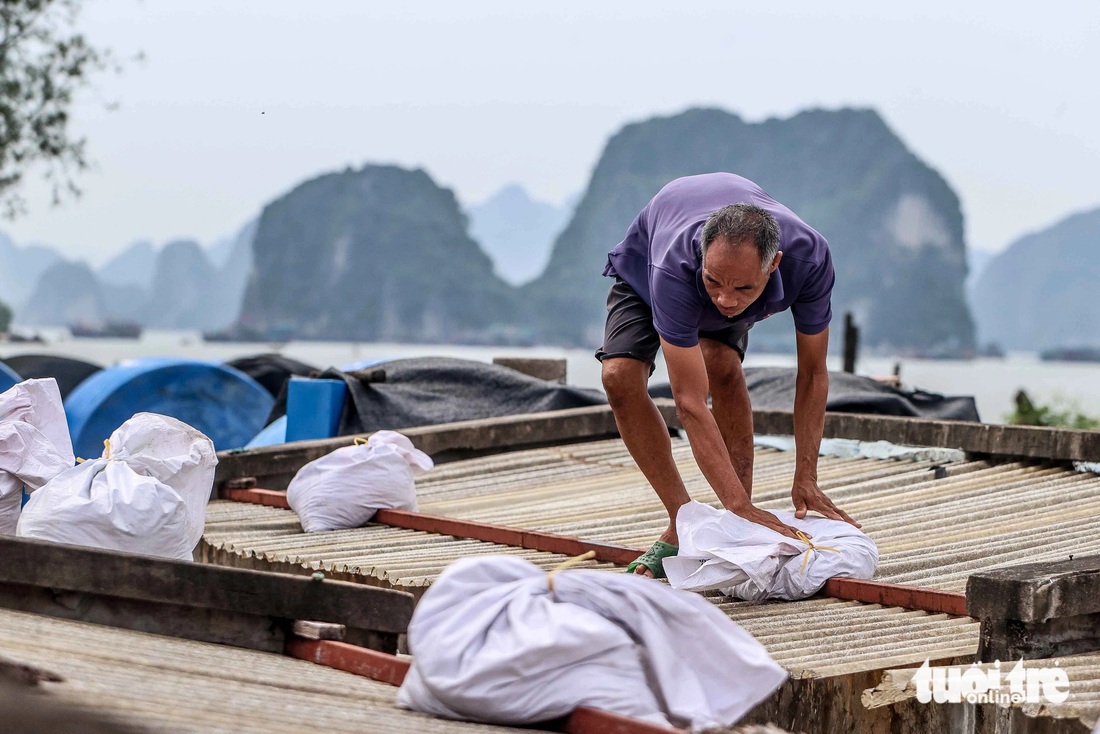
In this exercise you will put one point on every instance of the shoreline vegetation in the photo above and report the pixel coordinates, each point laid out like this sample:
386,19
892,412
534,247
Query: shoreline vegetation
1059,413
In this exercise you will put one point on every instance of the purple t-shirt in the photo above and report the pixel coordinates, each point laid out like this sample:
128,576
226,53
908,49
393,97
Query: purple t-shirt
660,259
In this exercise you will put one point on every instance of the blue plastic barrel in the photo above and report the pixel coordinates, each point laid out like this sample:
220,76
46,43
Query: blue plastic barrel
228,406
274,433
8,378
313,408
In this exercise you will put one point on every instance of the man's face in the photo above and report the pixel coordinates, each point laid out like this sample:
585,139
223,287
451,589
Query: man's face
732,275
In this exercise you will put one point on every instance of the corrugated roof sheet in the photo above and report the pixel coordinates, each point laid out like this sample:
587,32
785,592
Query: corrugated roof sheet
934,523
173,685
813,637
408,559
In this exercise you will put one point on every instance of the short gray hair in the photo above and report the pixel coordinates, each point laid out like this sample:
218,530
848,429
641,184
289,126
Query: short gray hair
744,224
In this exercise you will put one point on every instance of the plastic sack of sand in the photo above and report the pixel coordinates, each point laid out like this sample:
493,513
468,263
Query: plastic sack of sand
147,494
34,444
495,640
345,488
720,550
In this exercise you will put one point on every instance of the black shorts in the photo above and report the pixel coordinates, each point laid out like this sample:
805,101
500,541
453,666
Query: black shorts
629,331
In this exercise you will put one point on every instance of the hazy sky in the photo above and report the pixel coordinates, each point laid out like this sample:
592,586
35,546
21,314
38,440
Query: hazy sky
237,102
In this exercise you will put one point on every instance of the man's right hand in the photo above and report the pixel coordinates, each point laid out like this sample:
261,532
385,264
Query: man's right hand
768,520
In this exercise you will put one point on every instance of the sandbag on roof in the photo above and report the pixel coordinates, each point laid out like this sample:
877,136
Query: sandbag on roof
146,494
34,444
345,488
497,640
720,550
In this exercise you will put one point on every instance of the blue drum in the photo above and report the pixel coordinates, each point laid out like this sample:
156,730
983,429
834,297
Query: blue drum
8,378
228,406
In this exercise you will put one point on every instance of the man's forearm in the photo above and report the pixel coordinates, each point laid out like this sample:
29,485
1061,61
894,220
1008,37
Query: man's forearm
811,393
712,455
733,414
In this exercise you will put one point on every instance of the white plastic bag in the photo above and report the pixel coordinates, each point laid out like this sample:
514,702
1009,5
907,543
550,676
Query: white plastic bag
492,643
345,488
34,444
721,550
147,493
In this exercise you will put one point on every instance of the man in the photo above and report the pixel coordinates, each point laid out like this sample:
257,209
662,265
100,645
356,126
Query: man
708,257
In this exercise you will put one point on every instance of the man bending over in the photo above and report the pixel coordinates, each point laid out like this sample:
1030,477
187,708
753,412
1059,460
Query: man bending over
707,258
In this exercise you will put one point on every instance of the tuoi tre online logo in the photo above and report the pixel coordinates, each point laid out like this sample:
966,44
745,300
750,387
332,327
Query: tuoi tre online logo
988,685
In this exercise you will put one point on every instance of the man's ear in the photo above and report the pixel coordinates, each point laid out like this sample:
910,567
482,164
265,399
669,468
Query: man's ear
775,262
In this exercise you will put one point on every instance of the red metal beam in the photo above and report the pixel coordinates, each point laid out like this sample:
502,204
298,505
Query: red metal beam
350,658
518,537
392,670
896,595
268,497
870,592
469,529
585,720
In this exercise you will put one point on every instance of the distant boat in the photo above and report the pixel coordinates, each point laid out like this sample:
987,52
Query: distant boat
17,338
241,333
939,353
1071,354
106,330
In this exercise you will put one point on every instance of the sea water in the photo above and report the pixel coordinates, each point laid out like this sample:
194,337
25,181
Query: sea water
992,382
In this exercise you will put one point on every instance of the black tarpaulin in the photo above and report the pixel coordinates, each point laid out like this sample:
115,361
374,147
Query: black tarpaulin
430,390
773,388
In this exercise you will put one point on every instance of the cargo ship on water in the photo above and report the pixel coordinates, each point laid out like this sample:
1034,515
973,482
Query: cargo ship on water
106,330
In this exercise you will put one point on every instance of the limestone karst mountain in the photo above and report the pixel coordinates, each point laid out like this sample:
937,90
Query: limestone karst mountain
1041,292
379,253
894,225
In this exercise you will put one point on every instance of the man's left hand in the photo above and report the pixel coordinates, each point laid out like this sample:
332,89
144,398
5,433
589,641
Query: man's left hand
807,496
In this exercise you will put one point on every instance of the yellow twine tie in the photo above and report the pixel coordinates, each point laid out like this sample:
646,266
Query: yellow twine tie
359,441
567,564
106,451
806,558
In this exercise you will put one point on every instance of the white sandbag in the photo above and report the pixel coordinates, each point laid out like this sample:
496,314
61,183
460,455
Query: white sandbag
34,444
345,488
491,642
147,493
721,550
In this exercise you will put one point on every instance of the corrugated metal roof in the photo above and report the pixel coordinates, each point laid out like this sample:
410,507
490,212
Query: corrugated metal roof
595,490
172,685
823,637
934,523
407,559
817,637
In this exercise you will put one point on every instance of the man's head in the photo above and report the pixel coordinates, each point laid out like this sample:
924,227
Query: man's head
740,244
